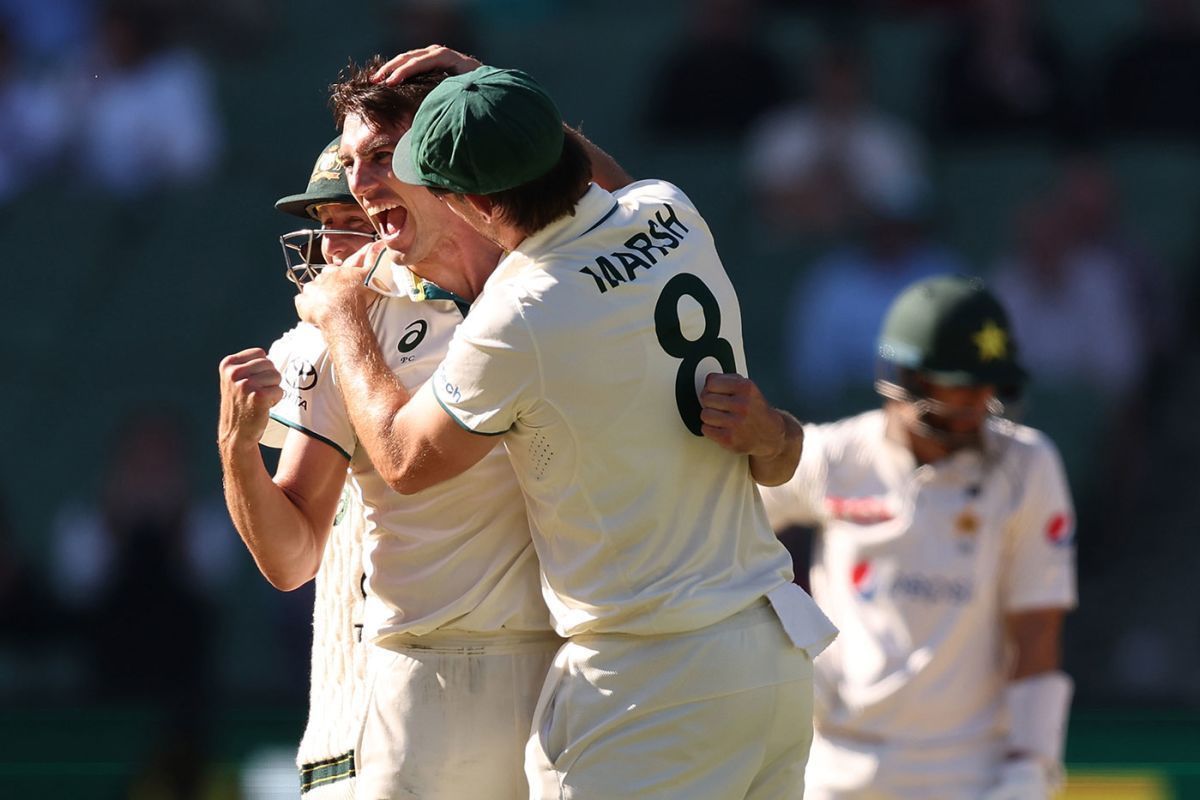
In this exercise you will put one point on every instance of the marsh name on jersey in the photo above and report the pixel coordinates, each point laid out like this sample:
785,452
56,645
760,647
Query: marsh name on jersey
663,235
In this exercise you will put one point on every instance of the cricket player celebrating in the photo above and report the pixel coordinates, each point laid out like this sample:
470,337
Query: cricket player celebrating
945,556
339,657
688,669
461,634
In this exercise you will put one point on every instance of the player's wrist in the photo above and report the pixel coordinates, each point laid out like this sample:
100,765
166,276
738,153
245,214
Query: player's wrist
790,435
776,444
1038,707
1020,779
234,445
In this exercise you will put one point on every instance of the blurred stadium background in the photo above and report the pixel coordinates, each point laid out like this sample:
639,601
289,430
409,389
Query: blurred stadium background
837,147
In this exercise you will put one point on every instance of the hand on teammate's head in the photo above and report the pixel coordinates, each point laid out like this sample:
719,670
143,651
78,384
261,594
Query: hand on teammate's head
427,59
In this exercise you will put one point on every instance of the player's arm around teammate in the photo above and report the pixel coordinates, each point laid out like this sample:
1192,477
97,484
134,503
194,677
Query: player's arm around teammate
606,172
736,416
413,445
416,446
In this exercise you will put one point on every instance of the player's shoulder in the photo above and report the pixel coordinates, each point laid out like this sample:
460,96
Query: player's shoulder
849,438
1022,446
652,192
302,341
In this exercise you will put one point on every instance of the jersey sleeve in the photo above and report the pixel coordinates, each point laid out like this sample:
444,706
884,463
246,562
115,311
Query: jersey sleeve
800,500
279,353
1039,571
312,403
491,371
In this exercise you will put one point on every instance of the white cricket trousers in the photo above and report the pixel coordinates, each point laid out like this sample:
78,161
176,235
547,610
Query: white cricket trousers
844,768
448,715
724,712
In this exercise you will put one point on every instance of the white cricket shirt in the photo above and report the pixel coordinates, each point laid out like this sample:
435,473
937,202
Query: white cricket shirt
917,566
456,556
585,348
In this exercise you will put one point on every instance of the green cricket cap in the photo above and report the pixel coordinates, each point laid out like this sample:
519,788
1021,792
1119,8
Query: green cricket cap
326,184
481,132
954,330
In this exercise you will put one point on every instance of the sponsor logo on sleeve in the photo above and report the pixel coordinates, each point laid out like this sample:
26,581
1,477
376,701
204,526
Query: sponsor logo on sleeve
864,580
301,375
447,389
1060,530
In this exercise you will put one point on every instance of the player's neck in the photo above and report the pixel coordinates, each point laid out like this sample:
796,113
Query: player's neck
461,267
924,449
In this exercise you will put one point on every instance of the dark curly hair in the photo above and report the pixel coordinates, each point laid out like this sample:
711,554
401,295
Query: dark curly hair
377,103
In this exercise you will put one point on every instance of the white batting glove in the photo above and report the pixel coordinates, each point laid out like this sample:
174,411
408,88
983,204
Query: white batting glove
1021,779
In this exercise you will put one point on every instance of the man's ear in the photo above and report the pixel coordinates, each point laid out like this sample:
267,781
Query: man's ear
482,204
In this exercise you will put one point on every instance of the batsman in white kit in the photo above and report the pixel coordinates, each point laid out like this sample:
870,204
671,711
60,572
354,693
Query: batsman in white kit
687,671
461,631
944,553
337,683
460,635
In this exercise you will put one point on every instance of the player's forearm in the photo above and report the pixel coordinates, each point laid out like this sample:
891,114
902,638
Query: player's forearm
774,468
373,395
279,536
1036,641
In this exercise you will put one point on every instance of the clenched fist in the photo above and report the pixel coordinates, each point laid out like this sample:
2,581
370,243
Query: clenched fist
249,388
335,293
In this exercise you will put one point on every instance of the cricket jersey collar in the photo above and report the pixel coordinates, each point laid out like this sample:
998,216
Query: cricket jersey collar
392,279
592,210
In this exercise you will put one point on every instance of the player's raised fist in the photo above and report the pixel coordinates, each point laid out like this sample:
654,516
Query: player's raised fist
434,58
250,385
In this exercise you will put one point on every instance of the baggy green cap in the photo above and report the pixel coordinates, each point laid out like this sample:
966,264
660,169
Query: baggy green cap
327,184
953,329
482,132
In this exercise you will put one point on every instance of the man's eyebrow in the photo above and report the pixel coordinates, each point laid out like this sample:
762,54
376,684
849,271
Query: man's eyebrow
377,142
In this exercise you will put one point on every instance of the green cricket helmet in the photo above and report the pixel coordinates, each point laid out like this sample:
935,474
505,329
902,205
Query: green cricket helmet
952,331
327,184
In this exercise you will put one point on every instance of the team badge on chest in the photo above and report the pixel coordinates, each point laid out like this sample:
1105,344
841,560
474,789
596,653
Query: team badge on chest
966,530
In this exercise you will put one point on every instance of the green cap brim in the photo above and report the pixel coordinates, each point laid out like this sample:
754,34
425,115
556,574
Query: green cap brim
402,161
298,205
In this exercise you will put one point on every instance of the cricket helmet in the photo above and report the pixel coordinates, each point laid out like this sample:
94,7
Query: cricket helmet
326,185
952,331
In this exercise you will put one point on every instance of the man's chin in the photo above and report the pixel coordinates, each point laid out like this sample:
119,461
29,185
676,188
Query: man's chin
948,437
397,246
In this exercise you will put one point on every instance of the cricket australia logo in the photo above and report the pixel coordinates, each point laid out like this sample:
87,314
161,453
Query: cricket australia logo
300,375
